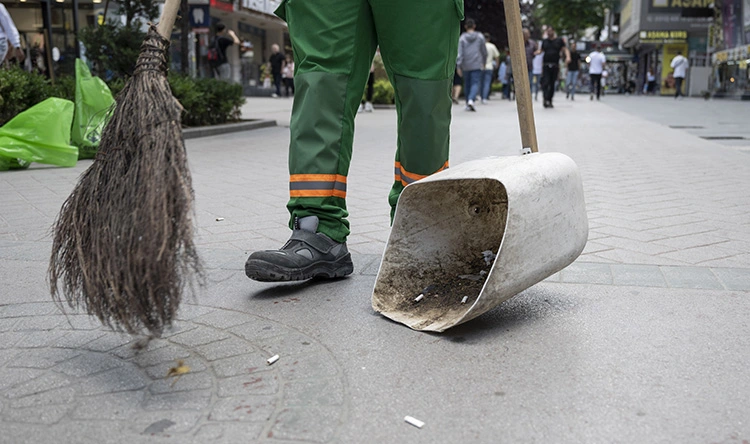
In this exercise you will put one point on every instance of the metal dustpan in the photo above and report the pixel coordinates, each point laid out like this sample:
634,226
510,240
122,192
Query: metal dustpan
470,237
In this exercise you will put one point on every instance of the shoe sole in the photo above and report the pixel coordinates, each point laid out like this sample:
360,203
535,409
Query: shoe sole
266,272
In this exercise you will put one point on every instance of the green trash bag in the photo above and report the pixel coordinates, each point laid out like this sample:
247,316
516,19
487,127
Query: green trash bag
39,134
93,107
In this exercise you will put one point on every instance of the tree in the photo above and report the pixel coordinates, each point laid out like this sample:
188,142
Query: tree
572,17
113,47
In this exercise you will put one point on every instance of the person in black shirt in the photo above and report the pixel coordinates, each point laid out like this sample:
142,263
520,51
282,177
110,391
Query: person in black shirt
277,61
551,47
224,39
572,78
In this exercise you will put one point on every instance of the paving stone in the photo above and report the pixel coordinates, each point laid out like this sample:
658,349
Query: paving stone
691,277
313,392
244,408
164,423
10,377
121,406
88,364
160,371
586,272
199,336
316,424
37,339
223,319
170,353
63,395
124,378
43,383
187,382
197,400
259,383
240,365
43,358
735,279
40,414
638,275
290,344
227,348
307,366
228,432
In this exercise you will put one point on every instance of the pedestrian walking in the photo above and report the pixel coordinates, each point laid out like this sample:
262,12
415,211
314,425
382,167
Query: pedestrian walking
366,105
458,83
277,63
571,80
531,47
493,56
650,82
536,73
224,39
287,76
472,54
552,47
334,45
10,40
596,60
680,65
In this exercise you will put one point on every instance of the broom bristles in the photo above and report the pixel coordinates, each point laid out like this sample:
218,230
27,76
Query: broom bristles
123,242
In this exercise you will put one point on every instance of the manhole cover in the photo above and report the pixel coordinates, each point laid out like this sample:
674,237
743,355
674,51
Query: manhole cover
723,137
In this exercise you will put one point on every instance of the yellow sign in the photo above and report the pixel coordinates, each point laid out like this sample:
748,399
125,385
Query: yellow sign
664,35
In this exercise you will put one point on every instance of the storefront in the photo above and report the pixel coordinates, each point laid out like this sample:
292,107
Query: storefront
730,76
654,31
49,34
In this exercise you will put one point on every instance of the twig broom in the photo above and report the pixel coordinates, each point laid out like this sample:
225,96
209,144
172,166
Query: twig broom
123,248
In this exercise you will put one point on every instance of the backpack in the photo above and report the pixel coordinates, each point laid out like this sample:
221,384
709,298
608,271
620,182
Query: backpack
214,55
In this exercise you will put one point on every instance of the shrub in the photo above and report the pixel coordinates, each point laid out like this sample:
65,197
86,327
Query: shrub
206,101
20,90
383,93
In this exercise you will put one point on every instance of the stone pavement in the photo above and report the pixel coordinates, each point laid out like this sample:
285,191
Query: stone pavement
643,339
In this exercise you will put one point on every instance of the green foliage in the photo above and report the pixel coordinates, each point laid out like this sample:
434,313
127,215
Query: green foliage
112,48
20,90
572,17
383,93
207,101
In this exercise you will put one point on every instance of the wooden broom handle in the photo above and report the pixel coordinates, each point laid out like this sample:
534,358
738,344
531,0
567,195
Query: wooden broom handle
520,74
168,17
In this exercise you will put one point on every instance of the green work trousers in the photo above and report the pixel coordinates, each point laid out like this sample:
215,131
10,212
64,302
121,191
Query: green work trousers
334,42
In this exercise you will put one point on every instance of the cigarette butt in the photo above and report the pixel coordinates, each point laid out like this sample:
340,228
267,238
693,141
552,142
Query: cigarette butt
219,219
272,359
466,298
419,298
414,421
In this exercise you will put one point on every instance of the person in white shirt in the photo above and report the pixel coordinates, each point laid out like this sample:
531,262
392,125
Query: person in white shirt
596,61
680,65
536,72
9,35
493,56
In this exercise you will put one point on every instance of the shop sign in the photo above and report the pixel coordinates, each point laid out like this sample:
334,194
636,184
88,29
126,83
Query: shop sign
663,36
223,5
678,6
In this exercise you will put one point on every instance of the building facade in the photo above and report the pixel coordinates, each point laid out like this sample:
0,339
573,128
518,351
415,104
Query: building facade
731,76
654,31
49,31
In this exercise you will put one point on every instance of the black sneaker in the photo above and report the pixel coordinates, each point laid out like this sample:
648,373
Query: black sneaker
306,255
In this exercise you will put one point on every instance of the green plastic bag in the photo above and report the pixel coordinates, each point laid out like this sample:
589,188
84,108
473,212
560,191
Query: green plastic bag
39,134
93,107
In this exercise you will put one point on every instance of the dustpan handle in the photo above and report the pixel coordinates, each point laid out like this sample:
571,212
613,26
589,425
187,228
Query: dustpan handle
520,75
168,17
